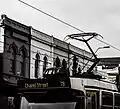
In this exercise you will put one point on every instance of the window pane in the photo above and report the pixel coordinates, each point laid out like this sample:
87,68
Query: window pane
117,99
80,104
22,63
12,66
107,98
58,105
92,100
51,106
22,68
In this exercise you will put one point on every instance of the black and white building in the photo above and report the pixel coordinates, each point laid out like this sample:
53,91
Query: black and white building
26,52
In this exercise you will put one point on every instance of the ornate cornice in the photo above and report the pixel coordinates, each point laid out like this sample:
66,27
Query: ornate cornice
60,43
40,35
80,51
5,21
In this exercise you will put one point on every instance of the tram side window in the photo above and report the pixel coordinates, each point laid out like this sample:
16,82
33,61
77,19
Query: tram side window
117,101
107,100
92,99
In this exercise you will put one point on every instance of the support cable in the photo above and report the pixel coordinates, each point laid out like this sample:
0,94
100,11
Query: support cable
64,23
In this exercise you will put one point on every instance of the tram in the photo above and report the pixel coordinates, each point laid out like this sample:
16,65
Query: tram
53,92
97,94
58,90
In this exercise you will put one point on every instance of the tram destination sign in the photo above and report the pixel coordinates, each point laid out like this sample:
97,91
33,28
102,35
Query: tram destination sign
36,85
41,83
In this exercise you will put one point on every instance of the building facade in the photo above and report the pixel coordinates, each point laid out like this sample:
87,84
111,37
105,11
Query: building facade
48,51
14,56
26,52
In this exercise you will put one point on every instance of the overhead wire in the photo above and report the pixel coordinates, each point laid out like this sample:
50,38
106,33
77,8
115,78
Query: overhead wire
65,23
51,16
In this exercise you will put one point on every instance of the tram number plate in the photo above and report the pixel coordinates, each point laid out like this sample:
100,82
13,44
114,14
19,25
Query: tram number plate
62,83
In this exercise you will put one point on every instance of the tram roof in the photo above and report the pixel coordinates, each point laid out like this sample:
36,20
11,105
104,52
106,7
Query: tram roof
82,83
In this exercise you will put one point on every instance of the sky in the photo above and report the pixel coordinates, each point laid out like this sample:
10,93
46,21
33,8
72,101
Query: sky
100,16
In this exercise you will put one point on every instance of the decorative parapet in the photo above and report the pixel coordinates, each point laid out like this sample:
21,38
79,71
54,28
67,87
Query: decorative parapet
60,44
40,35
76,49
5,21
88,54
79,51
73,49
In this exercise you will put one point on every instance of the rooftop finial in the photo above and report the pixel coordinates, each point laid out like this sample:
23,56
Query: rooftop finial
3,16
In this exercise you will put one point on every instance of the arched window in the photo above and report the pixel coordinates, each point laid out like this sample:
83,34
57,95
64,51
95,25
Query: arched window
75,65
13,51
79,69
23,54
37,62
13,60
64,70
22,63
57,62
45,62
64,64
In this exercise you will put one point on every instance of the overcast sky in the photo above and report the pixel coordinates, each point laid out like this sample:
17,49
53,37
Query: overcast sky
101,16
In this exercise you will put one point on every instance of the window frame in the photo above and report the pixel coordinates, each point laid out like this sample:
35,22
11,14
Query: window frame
107,105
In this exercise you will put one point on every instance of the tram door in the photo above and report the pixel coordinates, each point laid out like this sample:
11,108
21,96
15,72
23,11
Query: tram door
92,101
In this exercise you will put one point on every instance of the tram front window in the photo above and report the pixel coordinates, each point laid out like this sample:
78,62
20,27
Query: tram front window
58,105
48,93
